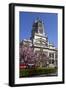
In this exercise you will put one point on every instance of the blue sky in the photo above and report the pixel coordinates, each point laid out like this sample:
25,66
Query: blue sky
26,20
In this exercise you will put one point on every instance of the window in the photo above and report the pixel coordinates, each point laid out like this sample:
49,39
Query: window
52,61
51,55
49,61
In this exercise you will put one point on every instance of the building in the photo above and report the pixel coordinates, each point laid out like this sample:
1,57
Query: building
39,42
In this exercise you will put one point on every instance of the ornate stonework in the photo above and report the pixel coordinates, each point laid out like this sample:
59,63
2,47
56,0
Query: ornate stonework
39,42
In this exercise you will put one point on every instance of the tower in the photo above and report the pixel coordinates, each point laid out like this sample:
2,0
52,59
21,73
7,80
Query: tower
38,36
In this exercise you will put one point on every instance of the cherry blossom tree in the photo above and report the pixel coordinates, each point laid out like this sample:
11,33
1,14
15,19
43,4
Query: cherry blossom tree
28,56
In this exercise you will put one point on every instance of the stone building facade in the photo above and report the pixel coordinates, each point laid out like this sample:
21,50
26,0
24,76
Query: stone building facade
39,42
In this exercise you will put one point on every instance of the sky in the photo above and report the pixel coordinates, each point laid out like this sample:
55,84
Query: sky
26,20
